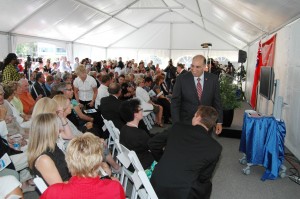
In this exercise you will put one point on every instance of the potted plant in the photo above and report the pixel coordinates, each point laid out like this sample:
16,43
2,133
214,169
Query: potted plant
229,98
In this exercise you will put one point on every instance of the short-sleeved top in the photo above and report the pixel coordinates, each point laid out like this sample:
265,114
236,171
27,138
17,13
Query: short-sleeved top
10,73
85,88
87,188
58,157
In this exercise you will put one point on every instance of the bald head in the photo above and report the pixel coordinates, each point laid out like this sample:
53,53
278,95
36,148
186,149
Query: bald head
114,88
198,65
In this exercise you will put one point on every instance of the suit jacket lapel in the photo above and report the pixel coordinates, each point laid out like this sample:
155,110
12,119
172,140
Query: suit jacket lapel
206,87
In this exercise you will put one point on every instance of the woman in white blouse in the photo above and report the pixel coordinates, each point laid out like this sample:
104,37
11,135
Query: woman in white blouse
146,102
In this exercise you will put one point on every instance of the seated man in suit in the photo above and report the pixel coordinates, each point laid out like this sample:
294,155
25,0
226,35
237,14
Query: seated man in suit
190,157
39,89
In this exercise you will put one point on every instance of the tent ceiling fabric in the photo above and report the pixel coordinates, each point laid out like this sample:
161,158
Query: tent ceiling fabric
157,24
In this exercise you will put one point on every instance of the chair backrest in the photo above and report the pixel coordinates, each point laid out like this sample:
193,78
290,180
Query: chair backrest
40,184
116,131
109,125
125,173
143,178
122,156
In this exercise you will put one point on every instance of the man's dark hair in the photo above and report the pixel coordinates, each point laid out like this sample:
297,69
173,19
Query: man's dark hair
38,76
148,79
180,65
209,116
122,76
114,88
105,78
128,108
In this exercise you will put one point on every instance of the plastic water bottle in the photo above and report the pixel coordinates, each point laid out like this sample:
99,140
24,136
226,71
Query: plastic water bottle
17,145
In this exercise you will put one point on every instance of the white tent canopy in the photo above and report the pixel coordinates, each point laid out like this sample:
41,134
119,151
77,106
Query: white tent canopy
148,24
164,29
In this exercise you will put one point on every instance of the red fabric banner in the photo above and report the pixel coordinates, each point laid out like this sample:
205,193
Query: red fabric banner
265,57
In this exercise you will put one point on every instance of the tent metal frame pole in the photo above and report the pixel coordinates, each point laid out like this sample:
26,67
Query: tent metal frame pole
203,18
170,40
275,30
9,42
109,18
200,13
210,32
237,15
32,14
151,8
137,29
171,27
36,37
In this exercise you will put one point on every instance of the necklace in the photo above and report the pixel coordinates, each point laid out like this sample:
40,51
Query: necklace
131,124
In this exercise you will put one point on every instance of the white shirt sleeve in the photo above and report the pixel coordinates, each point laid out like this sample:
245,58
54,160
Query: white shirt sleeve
3,130
8,184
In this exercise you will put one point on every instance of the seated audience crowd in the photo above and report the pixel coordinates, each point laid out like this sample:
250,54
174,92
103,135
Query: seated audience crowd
51,126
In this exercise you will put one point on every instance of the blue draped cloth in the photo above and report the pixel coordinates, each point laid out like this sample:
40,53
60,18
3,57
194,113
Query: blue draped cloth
263,143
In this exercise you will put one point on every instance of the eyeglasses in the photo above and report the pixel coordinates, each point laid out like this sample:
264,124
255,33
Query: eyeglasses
68,89
140,109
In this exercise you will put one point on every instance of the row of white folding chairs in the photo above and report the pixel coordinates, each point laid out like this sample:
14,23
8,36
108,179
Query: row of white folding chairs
125,158
149,119
142,187
114,134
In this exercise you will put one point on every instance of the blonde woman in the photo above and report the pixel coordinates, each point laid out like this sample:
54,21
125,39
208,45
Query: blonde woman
65,106
45,159
85,88
84,158
48,105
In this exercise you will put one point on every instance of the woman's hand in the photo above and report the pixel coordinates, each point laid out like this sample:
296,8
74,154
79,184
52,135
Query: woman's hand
8,119
60,112
91,104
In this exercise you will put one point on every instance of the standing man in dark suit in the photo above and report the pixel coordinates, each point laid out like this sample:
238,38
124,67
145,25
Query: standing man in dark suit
39,89
189,160
196,88
180,69
170,75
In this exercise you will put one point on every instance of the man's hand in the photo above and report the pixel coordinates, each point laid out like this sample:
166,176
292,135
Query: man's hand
218,128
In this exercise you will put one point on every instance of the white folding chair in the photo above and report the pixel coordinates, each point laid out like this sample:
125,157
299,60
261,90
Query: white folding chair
125,173
40,184
147,191
112,136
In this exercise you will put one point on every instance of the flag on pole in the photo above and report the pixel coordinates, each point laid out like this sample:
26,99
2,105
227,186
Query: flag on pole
265,57
256,76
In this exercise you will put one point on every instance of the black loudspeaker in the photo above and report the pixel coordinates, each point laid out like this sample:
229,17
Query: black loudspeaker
242,56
